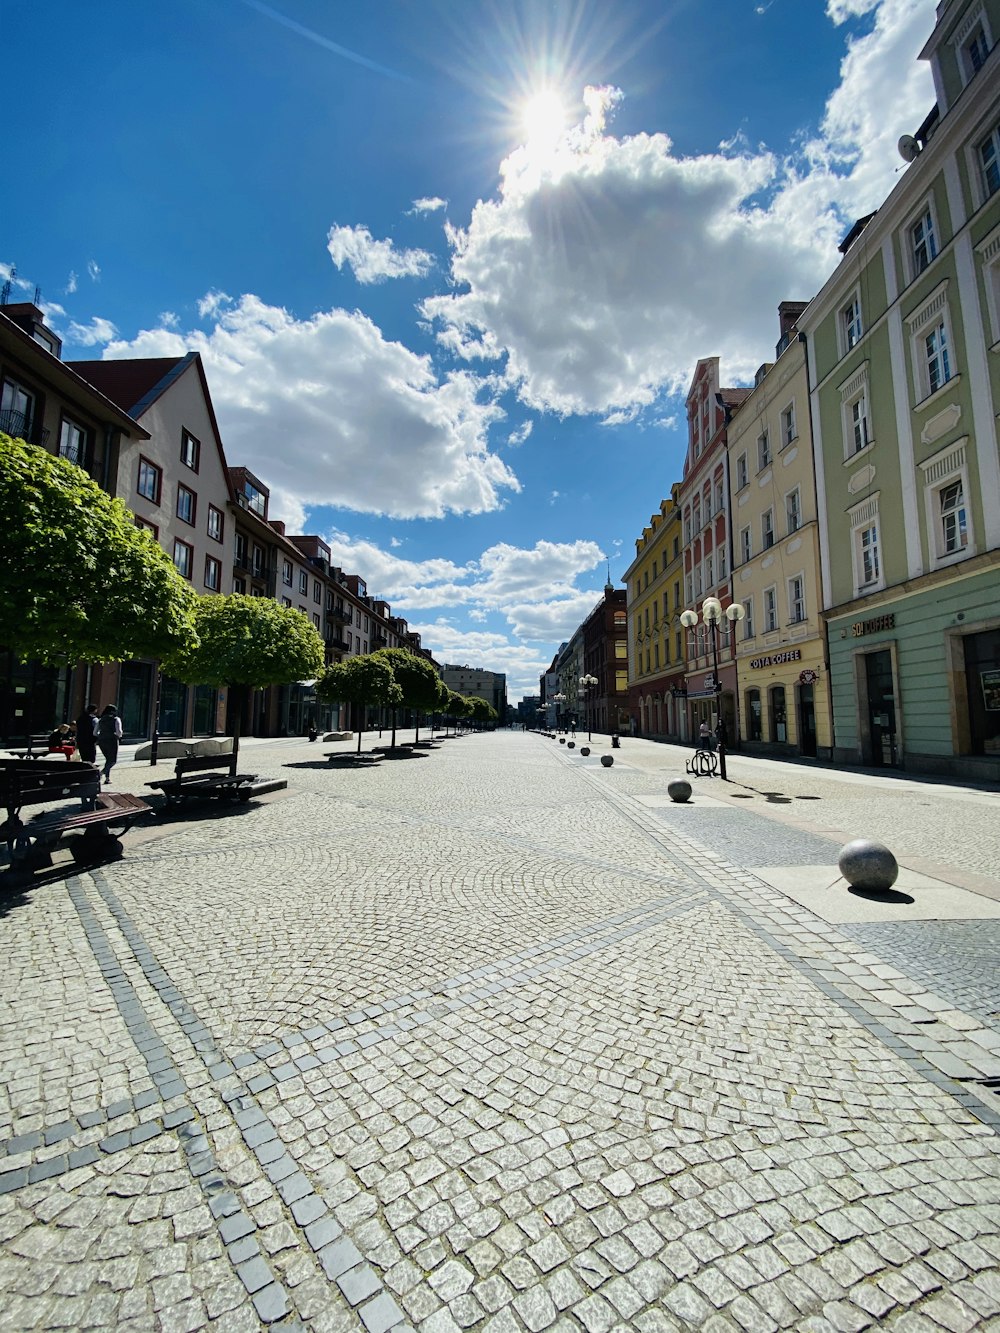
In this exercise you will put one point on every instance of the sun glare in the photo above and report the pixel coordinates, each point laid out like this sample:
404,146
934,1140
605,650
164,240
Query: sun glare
544,118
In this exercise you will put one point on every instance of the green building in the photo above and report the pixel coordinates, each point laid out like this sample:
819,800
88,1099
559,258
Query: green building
904,369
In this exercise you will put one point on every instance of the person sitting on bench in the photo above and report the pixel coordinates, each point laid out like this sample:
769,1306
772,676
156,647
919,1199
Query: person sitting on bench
62,741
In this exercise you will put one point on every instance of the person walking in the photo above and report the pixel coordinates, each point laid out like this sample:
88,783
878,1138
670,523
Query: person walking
86,734
704,737
109,733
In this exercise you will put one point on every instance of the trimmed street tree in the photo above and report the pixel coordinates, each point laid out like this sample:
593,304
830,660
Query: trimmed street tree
246,643
366,681
481,712
418,681
78,580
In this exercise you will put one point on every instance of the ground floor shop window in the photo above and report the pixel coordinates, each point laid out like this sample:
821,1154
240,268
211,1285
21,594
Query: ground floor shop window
982,673
206,702
173,706
135,696
779,717
754,730
881,709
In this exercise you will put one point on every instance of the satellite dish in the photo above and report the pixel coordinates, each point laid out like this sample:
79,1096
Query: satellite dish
908,148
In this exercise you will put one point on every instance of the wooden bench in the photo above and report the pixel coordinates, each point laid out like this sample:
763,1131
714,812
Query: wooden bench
105,816
199,776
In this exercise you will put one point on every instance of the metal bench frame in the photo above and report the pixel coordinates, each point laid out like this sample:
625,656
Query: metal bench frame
193,776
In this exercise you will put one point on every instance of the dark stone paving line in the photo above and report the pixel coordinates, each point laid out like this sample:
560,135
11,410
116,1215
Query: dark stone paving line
966,1098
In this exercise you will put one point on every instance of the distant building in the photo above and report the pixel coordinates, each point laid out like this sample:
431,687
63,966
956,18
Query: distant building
657,651
478,683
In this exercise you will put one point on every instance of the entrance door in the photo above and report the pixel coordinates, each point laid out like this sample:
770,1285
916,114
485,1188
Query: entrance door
807,722
881,709
779,720
982,674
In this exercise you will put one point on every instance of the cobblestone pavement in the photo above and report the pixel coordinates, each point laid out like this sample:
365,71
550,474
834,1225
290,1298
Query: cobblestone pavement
480,1040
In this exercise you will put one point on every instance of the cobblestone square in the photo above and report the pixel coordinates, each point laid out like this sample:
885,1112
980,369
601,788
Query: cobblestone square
480,1040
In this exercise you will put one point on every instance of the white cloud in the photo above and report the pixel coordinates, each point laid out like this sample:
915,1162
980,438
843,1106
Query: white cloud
374,261
211,303
480,648
604,265
842,10
169,320
332,413
97,332
430,205
93,270
72,282
517,437
395,543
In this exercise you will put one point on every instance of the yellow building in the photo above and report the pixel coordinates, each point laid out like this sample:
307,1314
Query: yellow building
781,650
656,650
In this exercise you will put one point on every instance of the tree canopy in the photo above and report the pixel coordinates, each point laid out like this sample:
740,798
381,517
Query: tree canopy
364,680
415,677
248,641
78,580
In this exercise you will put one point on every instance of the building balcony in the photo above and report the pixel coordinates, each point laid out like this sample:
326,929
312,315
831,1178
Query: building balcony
21,426
340,645
338,616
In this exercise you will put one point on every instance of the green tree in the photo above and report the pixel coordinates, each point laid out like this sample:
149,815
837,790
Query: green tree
482,713
417,680
247,642
366,681
78,580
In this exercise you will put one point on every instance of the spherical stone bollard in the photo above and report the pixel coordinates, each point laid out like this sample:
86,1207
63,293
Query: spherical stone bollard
607,760
868,865
679,790
571,745
585,750
562,740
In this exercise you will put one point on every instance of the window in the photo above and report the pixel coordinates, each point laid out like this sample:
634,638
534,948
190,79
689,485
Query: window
148,484
240,552
971,40
697,581
850,323
793,510
763,451
216,523
989,251
146,526
619,618
767,529
186,503
190,450
976,50
796,599
213,573
256,501
869,554
183,558
17,411
748,618
954,527
656,654
788,431
718,497
303,583
286,573
988,153
259,567
240,586
286,601
866,546
621,681
621,648
936,352
746,549
679,645
770,609
923,246
316,620
317,591
73,442
722,563
855,413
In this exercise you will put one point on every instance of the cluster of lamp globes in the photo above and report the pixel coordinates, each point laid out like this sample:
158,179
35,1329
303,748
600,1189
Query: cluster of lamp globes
711,611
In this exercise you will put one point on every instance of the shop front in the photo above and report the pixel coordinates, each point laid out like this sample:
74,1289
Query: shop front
916,680
783,707
703,702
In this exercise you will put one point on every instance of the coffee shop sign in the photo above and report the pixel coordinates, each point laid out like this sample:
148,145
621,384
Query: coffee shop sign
776,659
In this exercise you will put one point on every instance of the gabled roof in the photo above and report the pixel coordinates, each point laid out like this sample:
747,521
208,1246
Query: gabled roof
732,397
133,385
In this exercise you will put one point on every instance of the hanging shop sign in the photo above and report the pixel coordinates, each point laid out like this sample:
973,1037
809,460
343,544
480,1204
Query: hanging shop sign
776,659
862,627
808,677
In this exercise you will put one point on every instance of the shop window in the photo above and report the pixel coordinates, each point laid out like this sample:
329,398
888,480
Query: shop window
982,675
778,715
753,715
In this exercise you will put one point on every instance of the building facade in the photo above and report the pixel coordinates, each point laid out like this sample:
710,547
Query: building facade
657,660
905,389
781,641
603,707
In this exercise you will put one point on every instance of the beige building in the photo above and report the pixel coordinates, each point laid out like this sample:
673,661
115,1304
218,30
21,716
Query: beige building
780,650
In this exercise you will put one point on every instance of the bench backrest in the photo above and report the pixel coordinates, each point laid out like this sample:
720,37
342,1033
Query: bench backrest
200,763
36,781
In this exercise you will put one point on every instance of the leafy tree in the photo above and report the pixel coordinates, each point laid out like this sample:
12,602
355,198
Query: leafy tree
482,713
455,708
247,642
364,681
417,680
79,581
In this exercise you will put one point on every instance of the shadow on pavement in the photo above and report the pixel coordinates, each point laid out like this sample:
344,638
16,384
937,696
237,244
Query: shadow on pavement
880,895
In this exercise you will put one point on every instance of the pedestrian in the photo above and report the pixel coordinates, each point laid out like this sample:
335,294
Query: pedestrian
704,737
61,741
109,733
86,734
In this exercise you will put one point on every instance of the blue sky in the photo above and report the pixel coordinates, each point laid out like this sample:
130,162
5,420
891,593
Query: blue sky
450,265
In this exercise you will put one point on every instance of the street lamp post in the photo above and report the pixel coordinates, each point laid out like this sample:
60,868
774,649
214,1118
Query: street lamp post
558,699
711,612
587,683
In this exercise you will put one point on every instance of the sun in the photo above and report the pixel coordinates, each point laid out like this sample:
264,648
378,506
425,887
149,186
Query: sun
543,117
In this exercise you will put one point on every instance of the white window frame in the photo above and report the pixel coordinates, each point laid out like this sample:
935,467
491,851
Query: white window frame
764,456
709,572
855,391
989,254
989,134
793,511
789,431
796,587
945,468
962,41
213,569
746,544
926,212
742,472
770,596
851,330
864,518
748,630
932,315
77,453
767,533
722,562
